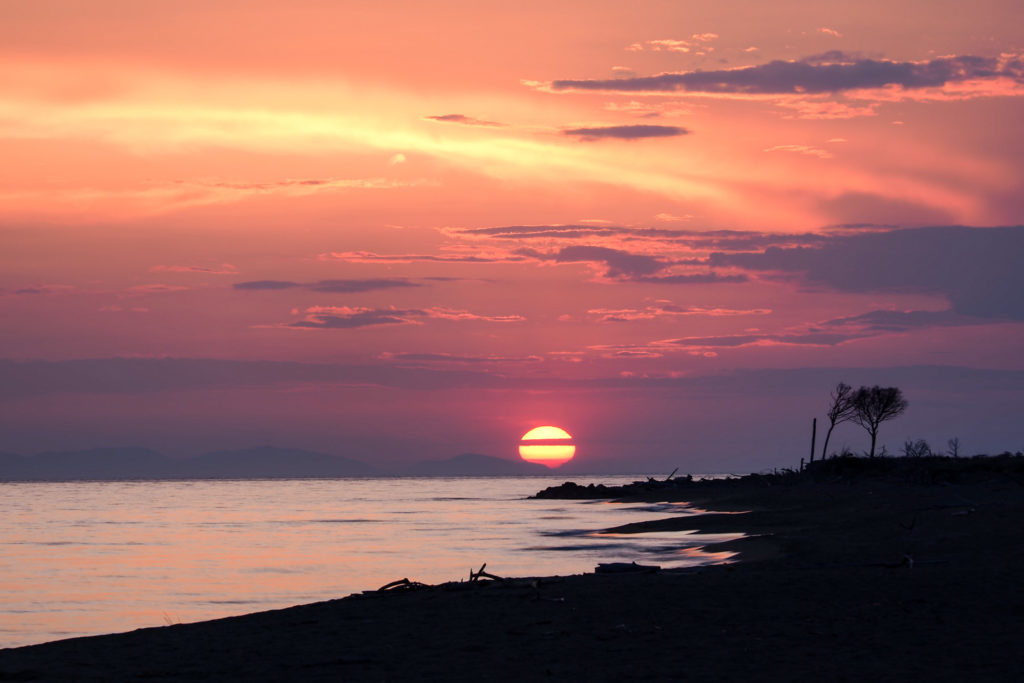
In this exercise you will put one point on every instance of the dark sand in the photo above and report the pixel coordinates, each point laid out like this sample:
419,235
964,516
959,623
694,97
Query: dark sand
825,592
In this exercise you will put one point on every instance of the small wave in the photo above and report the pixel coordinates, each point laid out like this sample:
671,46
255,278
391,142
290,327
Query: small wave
340,520
579,546
566,532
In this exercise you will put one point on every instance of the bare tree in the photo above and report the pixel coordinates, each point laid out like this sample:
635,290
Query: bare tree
874,406
953,447
916,449
841,409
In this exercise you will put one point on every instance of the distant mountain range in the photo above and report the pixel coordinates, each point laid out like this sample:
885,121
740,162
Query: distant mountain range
263,462
469,464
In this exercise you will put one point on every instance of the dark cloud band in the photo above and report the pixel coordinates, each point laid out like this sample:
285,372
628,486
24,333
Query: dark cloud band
832,72
634,132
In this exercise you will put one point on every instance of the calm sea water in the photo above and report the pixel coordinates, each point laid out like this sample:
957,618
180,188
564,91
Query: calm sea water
84,558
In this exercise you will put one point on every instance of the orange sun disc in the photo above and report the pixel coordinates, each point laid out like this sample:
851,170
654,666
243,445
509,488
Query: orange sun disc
547,445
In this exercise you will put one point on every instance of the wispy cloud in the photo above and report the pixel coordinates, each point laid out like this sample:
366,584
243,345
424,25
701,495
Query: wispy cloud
618,263
692,239
222,269
349,317
903,321
151,198
801,149
464,120
710,346
628,132
824,109
696,43
738,340
156,288
39,289
691,279
372,257
668,310
457,314
457,358
334,286
629,266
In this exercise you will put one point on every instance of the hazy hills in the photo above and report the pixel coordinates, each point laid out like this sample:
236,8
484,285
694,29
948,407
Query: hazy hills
263,462
473,464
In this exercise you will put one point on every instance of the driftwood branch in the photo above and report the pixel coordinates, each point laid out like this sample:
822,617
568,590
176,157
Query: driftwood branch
479,574
401,584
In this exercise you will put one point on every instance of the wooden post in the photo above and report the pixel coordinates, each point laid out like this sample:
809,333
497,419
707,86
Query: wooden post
814,435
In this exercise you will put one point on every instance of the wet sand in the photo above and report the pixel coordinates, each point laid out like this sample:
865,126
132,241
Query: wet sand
867,579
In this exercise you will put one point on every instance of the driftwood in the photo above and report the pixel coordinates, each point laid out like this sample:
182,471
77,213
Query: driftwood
479,574
401,584
405,584
626,568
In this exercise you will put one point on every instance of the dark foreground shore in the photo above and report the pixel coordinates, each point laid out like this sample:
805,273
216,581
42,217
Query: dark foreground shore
885,576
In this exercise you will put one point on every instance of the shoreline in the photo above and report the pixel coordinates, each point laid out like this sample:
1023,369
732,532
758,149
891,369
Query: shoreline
872,578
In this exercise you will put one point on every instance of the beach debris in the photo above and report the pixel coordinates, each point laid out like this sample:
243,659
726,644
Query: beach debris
401,585
480,573
626,568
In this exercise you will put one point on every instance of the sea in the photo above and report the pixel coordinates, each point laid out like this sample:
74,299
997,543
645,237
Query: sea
92,557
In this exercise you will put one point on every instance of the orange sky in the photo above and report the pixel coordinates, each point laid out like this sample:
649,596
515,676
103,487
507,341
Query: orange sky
504,199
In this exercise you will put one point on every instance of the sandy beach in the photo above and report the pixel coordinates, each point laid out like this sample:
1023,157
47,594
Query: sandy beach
894,577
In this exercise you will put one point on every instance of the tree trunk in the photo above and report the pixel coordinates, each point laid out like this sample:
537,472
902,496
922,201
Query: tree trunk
828,435
814,435
874,435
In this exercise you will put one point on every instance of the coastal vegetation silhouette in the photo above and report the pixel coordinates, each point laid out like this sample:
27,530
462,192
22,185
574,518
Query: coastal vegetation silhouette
841,409
874,406
868,407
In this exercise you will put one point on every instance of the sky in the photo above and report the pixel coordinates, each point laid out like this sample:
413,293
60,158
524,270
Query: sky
403,230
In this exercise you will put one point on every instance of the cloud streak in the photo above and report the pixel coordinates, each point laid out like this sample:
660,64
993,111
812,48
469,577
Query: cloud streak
464,120
348,317
457,358
373,257
882,321
831,72
628,132
223,269
668,310
618,263
330,286
739,340
629,266
691,239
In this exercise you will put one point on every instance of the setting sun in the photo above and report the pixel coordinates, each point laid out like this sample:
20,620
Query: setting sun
547,445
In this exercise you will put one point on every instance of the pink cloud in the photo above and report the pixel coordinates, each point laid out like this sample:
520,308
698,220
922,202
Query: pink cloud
223,269
352,317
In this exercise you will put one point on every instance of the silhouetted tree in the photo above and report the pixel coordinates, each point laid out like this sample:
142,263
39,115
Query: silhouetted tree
841,409
874,406
916,449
